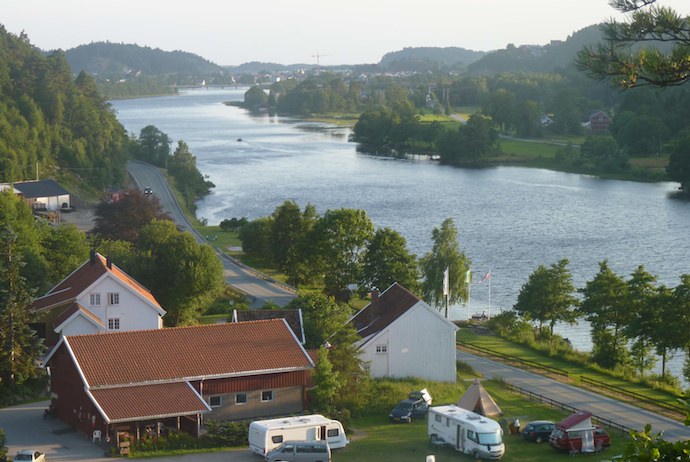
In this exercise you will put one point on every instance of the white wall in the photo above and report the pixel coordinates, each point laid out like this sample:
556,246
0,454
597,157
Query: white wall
134,313
80,326
420,344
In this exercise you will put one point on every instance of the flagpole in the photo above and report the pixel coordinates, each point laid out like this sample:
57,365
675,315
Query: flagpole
489,311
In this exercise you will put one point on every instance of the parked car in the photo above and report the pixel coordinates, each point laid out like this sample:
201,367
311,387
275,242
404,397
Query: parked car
148,191
538,430
30,455
300,451
572,440
409,409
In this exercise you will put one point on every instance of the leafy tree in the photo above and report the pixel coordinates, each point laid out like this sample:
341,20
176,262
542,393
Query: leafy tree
153,146
65,249
192,275
604,153
617,60
122,220
256,238
340,237
387,260
20,349
547,296
604,306
255,98
344,354
188,178
445,255
322,316
641,300
326,383
288,233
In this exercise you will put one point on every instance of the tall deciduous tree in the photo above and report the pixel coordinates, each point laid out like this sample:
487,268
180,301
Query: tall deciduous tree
649,25
678,168
153,146
548,296
604,306
340,237
445,255
326,383
185,276
387,260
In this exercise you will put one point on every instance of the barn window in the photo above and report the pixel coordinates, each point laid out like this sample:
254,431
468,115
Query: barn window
382,349
215,401
241,398
113,298
267,395
95,299
113,323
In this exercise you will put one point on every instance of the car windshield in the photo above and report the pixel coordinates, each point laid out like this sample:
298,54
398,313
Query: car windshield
404,406
489,438
23,457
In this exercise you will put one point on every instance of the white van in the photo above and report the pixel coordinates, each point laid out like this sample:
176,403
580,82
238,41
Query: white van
466,431
265,435
300,451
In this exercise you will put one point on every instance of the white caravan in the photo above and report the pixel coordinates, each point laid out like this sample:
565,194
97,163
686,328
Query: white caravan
466,431
265,435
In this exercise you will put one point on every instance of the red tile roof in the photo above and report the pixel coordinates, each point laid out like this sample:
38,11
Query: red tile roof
380,313
148,402
81,278
187,353
293,318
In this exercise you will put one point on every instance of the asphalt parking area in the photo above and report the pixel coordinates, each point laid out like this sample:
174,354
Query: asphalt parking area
25,428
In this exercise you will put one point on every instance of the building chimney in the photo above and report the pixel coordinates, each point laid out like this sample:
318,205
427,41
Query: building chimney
108,264
92,256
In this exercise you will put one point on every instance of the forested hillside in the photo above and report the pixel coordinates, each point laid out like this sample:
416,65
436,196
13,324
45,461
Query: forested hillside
429,59
50,119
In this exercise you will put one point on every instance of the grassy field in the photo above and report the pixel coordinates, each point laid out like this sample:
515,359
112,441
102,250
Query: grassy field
375,439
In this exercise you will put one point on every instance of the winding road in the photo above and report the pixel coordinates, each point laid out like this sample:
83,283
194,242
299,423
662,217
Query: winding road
258,288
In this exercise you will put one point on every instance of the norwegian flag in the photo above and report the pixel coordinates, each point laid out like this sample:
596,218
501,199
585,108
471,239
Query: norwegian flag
485,277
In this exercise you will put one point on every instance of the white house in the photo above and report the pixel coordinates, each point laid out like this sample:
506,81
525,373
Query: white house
97,297
402,336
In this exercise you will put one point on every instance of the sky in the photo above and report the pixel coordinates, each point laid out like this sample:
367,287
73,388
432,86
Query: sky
326,32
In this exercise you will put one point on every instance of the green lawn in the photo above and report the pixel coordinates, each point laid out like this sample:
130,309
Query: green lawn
375,439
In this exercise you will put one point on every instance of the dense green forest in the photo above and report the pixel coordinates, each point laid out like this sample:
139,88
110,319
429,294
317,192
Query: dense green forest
50,119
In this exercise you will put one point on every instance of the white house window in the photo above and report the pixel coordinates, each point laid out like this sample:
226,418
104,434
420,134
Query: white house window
267,395
241,398
113,323
113,298
95,299
215,401
382,349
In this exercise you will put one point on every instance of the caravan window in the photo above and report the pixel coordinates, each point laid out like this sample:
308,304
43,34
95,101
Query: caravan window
277,439
438,418
472,436
332,432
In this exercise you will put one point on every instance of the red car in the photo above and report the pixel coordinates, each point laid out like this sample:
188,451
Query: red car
571,440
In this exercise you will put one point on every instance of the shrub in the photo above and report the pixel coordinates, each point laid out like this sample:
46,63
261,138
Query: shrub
224,433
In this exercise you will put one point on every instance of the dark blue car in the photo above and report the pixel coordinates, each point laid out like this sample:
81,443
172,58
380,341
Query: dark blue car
408,409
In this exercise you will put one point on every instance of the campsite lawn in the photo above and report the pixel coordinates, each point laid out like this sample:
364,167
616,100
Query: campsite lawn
374,439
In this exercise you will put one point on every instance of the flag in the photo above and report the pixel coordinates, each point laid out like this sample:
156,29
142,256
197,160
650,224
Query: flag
468,277
485,277
446,283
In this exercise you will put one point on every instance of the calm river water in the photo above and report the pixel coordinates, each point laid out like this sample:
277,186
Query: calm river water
510,219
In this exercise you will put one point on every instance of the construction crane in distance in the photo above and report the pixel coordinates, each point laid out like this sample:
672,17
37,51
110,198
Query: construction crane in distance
318,60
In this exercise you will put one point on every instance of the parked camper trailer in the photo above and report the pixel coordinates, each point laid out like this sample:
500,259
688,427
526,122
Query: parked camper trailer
466,431
265,435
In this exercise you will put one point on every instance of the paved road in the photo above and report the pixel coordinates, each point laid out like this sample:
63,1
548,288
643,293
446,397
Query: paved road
255,286
614,410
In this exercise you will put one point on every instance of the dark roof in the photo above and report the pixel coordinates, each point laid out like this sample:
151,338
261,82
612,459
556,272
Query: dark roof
574,419
40,188
186,353
383,310
293,318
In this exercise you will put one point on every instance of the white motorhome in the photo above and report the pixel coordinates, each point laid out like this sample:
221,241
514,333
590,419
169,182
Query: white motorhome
466,431
265,435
